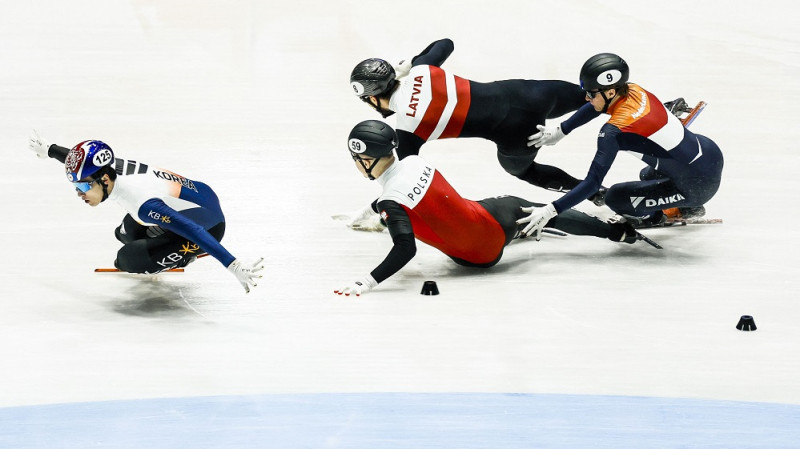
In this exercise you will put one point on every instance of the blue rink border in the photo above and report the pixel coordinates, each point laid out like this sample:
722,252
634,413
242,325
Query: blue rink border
403,420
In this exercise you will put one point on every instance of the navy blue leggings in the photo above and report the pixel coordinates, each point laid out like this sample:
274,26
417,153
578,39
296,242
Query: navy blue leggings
687,185
144,254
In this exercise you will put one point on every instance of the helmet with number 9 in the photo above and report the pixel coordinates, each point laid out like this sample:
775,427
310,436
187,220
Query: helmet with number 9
86,159
604,71
372,138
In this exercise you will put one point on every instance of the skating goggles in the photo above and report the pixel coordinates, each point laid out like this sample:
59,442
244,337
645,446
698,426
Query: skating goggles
591,93
357,157
83,187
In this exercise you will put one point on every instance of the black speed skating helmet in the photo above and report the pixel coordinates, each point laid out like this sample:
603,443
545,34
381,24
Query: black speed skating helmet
372,138
372,77
604,71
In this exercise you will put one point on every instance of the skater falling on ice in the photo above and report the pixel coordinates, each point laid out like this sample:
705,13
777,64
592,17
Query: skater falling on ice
430,103
171,219
418,202
683,170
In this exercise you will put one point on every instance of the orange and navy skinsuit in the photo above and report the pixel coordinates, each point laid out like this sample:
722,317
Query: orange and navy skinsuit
684,168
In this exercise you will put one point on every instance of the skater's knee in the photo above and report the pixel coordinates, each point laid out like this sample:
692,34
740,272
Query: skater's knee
132,259
515,160
618,200
129,266
514,166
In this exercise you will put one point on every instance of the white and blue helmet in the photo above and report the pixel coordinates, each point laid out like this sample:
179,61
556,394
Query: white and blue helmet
87,158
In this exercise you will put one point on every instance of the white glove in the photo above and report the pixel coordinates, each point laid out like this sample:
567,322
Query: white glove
402,68
539,216
357,288
547,135
246,275
365,220
38,144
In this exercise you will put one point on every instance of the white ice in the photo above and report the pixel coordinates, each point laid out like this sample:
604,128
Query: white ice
568,342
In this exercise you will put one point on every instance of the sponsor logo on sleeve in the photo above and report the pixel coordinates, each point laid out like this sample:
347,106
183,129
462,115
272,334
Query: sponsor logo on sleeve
187,183
158,216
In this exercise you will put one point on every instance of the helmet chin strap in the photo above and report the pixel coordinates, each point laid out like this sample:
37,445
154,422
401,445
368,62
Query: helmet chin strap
368,171
383,112
607,100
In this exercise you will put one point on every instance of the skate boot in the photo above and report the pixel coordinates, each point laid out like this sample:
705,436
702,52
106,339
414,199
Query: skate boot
684,213
622,232
599,198
187,260
625,232
653,220
677,107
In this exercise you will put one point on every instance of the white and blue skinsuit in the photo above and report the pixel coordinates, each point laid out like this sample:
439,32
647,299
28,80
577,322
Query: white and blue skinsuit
187,212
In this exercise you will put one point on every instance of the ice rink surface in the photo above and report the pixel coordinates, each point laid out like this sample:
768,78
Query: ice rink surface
567,342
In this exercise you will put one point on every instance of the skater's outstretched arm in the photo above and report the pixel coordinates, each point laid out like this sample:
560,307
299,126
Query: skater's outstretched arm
434,54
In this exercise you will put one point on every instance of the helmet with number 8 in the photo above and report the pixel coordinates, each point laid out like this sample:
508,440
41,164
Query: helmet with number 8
372,138
604,71
372,77
88,159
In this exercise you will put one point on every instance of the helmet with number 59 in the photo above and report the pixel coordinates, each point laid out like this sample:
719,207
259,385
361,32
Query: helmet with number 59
372,138
87,160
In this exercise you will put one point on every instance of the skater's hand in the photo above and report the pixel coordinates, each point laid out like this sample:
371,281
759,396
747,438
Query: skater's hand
539,216
246,275
38,144
402,68
357,288
547,135
365,220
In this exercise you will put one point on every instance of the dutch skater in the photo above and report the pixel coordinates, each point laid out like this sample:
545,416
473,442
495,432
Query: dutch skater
171,219
683,171
418,202
430,103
